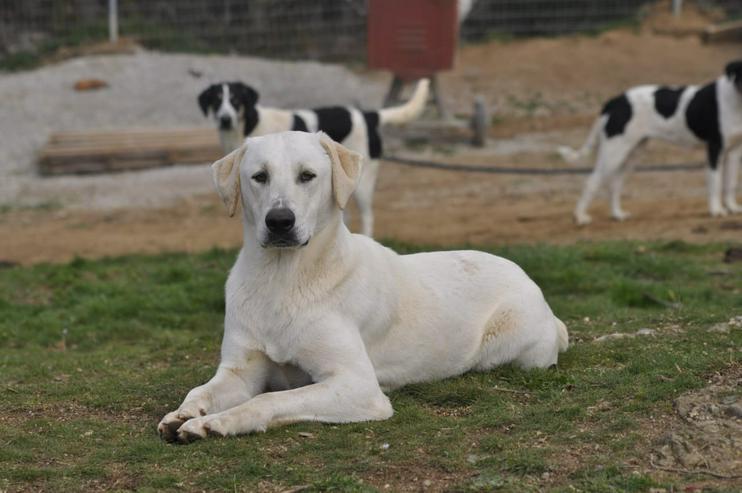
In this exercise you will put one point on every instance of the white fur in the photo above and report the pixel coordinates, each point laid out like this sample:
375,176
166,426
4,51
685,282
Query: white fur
272,120
613,153
229,139
315,333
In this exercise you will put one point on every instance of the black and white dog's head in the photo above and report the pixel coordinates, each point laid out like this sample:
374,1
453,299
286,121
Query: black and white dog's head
734,73
228,102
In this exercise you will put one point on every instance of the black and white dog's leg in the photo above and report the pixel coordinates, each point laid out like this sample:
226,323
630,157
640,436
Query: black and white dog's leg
612,155
236,381
714,182
729,178
593,184
364,196
616,185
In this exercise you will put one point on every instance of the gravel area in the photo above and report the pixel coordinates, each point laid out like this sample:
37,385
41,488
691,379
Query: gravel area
145,89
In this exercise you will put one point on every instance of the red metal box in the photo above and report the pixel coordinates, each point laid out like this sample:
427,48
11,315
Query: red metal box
412,38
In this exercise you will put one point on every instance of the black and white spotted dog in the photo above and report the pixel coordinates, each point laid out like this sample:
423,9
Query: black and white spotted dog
691,115
237,114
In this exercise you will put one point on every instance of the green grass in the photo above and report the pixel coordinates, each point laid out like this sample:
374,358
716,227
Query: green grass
93,353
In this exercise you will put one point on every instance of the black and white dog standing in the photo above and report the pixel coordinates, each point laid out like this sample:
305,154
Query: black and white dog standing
691,115
237,114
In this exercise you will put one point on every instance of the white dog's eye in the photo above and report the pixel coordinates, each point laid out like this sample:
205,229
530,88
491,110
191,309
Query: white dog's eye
260,177
306,176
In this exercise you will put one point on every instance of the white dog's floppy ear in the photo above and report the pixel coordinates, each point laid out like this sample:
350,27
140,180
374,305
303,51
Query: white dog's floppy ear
346,169
226,175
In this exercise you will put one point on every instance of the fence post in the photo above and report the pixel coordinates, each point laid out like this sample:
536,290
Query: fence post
677,7
113,21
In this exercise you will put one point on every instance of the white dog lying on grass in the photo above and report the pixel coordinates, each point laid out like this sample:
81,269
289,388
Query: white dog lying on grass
319,320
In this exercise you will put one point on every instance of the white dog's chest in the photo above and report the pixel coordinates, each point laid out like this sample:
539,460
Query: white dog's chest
268,322
269,331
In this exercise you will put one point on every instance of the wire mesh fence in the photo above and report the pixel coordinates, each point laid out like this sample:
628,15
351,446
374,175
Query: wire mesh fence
545,17
289,29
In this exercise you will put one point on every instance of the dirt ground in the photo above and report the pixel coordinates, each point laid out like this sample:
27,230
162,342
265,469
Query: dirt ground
705,434
543,92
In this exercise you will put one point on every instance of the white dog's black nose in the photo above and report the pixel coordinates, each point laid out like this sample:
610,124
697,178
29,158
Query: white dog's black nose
280,220
225,122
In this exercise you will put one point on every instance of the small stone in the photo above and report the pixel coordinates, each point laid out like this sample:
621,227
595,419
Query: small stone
722,328
646,332
306,434
610,337
735,411
384,446
427,483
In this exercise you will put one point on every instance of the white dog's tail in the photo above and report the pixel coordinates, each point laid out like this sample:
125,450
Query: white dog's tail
562,335
410,110
574,155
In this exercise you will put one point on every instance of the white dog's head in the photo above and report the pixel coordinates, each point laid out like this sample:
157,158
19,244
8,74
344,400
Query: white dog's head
291,184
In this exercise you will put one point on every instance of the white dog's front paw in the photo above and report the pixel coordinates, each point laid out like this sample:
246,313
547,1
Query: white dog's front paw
198,428
582,219
169,425
718,211
734,207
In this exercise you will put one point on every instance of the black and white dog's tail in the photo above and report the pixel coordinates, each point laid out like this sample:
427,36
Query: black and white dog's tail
575,155
408,111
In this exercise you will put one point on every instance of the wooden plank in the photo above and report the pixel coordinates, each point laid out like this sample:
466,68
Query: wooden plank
121,148
143,131
723,33
128,149
77,138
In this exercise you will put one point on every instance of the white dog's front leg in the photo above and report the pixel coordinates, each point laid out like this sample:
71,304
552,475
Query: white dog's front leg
346,390
233,384
336,400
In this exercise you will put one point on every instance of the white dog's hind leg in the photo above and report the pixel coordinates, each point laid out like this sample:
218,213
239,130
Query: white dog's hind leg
730,176
544,351
525,333
714,177
230,386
